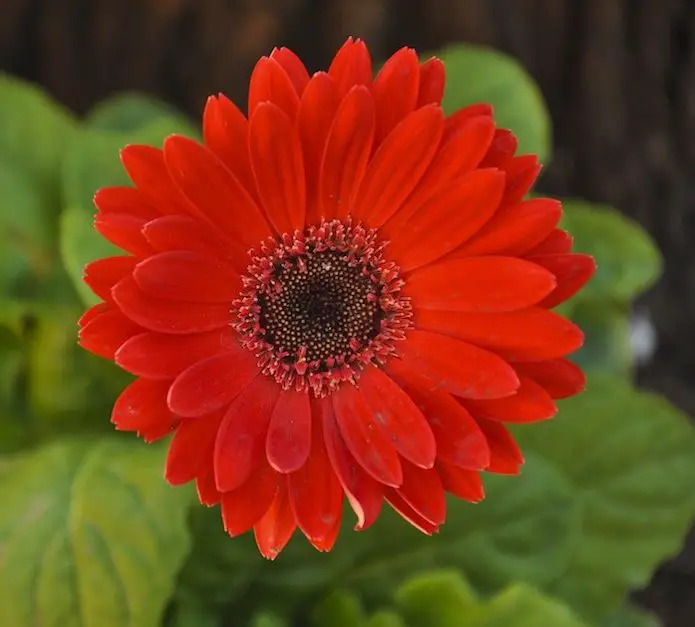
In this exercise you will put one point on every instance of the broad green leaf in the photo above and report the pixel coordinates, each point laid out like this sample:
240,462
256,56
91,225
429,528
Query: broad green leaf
266,619
481,75
629,616
629,456
339,609
192,613
606,330
385,618
628,261
130,111
91,536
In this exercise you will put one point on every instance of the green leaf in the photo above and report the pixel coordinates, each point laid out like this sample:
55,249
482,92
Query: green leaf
606,330
628,261
130,111
629,616
482,75
91,536
265,619
339,609
385,618
629,456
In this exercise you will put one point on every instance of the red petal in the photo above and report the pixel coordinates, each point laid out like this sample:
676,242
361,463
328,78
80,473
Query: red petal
190,450
432,79
244,507
400,417
270,83
348,147
166,316
455,158
216,193
531,403
141,406
207,491
188,276
103,274
459,440
105,333
559,377
528,334
398,165
275,529
465,484
128,200
92,313
572,271
162,356
395,91
399,504
123,230
363,493
501,150
295,69
558,241
457,367
146,168
447,219
456,120
316,112
170,233
289,434
505,455
422,490
351,66
485,284
240,443
212,383
522,173
315,492
226,133
515,229
276,157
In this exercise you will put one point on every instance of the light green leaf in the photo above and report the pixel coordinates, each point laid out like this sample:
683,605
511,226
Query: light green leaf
481,75
266,619
606,330
629,616
130,111
628,261
385,618
91,536
629,456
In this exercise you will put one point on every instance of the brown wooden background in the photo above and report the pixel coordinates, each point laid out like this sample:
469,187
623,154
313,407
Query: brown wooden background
619,76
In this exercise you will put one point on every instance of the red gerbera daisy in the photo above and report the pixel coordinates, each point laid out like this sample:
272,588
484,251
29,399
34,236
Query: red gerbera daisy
344,295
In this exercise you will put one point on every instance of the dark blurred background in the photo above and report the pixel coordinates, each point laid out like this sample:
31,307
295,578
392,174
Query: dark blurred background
618,75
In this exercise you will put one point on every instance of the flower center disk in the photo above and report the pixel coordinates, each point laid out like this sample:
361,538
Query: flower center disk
321,305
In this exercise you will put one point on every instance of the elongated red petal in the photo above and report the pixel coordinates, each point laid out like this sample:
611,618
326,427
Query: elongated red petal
459,439
457,367
101,275
348,148
123,230
188,276
448,219
422,490
366,439
289,434
92,313
398,165
530,403
166,316
191,448
240,443
351,66
505,455
226,134
317,109
275,529
271,83
528,334
106,332
400,417
162,356
205,487
560,377
485,284
432,78
465,484
212,383
125,200
572,271
395,90
295,69
243,507
461,117
362,491
558,241
215,192
522,173
400,505
502,149
278,165
142,406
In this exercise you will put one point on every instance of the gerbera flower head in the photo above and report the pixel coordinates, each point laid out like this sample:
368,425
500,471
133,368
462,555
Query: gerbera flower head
342,295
